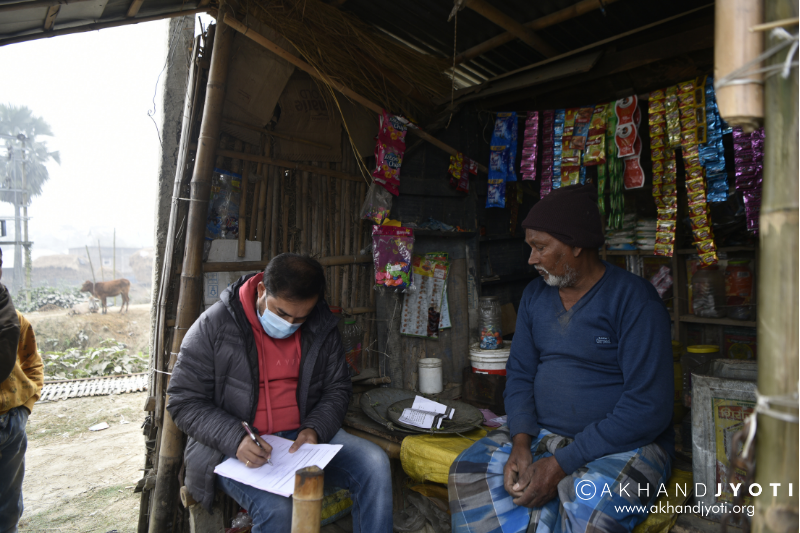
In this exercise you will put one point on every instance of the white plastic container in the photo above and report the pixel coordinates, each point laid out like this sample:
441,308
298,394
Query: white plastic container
489,361
430,376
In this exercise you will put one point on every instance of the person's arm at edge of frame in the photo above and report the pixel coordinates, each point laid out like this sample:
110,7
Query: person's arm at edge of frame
518,396
30,359
191,394
9,333
645,408
328,414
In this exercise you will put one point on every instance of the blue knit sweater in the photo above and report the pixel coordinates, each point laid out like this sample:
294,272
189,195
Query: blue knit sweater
600,373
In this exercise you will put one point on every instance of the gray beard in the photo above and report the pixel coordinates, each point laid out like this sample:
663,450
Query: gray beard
562,282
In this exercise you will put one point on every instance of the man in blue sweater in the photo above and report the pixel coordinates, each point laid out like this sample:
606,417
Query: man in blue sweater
588,395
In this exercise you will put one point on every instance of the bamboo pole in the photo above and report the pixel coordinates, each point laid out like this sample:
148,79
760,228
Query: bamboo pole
171,449
315,212
266,216
302,65
276,198
510,24
89,257
307,500
187,129
100,255
346,244
777,440
740,104
336,239
285,219
243,208
255,222
262,199
113,260
302,212
567,13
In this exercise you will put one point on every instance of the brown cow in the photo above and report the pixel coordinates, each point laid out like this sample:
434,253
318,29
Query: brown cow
105,289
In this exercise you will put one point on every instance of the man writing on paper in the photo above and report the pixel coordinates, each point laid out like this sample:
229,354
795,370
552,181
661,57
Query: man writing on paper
270,354
588,395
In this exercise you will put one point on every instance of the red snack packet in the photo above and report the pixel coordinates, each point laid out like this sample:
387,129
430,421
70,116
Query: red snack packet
633,176
625,139
389,150
625,109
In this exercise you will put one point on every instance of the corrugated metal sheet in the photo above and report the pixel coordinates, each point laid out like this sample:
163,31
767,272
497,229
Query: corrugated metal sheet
423,23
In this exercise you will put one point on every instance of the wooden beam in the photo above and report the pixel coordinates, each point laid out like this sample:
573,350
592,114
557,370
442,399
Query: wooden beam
461,95
265,131
95,26
283,163
246,266
519,31
136,5
50,17
567,13
302,65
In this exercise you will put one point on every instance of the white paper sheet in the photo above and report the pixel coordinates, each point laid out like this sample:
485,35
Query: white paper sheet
278,478
423,404
420,419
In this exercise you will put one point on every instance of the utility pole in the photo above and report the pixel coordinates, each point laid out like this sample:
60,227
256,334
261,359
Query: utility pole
114,261
26,244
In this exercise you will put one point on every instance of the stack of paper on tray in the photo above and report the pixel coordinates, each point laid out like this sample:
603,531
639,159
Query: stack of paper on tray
424,413
278,478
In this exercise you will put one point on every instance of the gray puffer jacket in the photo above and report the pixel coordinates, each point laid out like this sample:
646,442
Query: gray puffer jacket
214,385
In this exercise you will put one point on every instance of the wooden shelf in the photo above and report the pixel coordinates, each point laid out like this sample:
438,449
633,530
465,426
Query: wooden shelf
500,238
726,249
644,253
436,234
511,278
718,321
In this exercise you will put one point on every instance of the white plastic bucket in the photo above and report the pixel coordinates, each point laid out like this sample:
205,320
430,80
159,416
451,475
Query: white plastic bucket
430,376
489,361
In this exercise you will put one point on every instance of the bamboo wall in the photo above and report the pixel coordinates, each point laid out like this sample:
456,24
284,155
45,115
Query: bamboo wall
311,214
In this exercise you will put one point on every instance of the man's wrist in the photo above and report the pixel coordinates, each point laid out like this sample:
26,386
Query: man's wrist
522,439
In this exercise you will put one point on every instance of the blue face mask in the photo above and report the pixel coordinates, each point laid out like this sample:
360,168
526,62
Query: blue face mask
275,326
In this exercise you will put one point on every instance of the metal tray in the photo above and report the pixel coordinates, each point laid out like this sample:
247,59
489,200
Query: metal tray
375,404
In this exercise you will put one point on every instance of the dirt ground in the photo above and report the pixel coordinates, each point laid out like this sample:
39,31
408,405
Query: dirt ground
56,331
78,480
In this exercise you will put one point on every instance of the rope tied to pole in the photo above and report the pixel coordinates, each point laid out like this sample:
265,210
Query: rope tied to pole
742,75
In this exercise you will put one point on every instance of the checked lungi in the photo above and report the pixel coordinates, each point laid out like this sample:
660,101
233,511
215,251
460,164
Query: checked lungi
479,502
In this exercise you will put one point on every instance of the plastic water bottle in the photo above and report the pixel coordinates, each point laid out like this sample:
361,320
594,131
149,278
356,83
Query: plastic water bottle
351,338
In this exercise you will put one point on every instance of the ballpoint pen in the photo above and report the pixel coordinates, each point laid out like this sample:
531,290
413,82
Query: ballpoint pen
246,427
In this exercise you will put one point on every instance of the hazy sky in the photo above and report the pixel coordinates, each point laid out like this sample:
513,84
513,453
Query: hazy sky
95,89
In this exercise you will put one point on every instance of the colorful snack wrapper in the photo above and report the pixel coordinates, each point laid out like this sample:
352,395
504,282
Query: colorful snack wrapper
392,250
700,221
389,150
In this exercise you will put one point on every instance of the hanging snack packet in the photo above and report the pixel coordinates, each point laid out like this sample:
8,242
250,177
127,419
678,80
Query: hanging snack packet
222,221
530,146
583,121
389,150
498,170
392,248
377,204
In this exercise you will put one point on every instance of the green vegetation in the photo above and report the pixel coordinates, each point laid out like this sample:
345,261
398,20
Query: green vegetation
110,359
41,296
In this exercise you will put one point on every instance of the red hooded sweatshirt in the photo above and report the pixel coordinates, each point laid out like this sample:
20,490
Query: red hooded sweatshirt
279,369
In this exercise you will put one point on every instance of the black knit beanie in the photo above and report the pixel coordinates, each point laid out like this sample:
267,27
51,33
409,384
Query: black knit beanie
570,215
